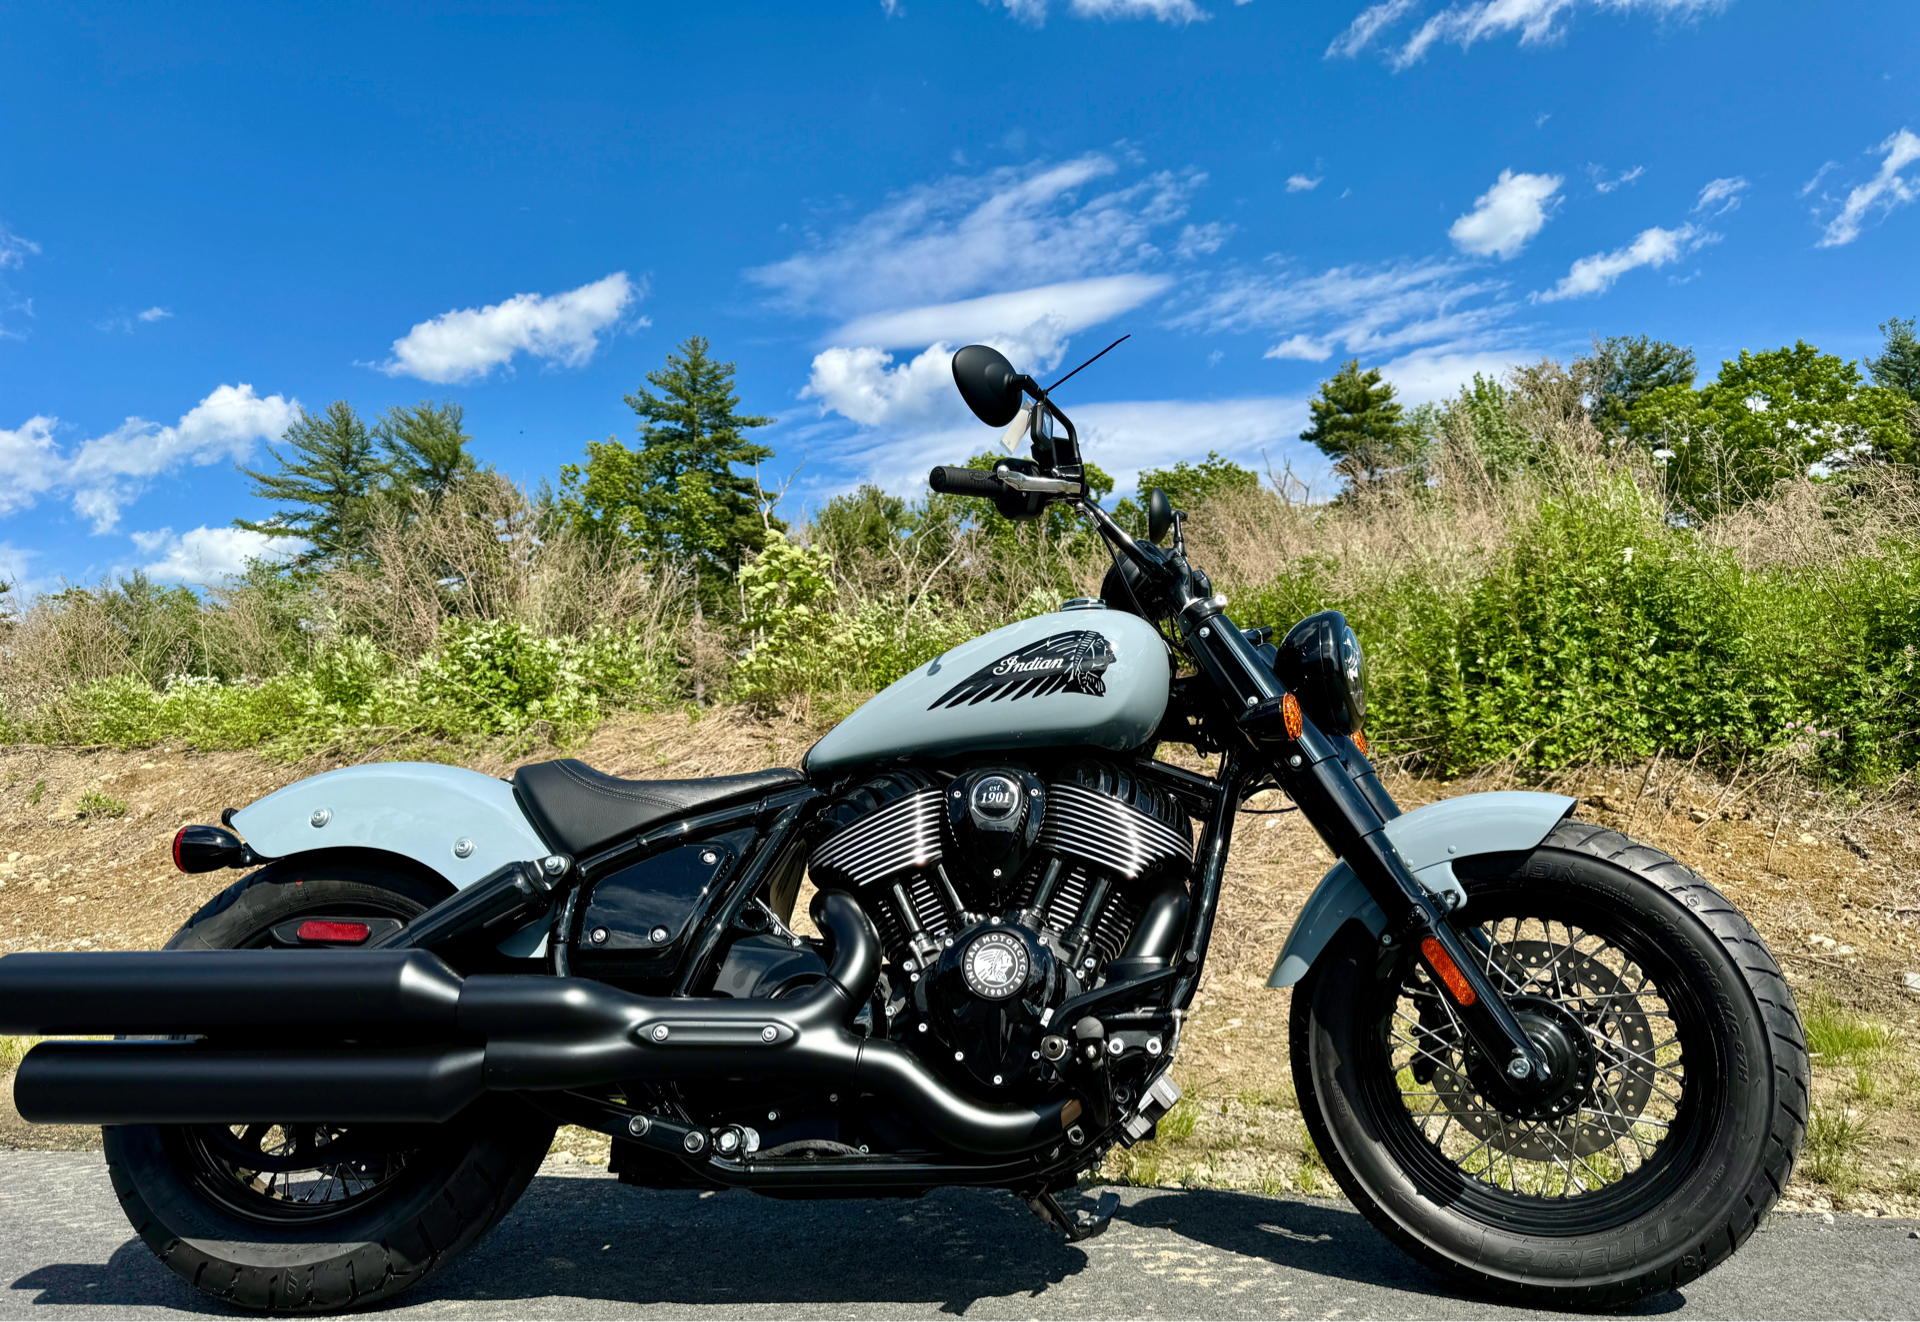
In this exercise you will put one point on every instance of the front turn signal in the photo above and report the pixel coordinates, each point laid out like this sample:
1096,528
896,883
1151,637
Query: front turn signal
1449,972
1290,715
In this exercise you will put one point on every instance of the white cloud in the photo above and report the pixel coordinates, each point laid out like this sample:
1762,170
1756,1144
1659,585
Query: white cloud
1886,190
857,378
108,471
1537,21
1368,309
29,463
15,250
1303,347
206,555
1371,22
1818,175
1300,183
1653,247
13,572
1074,305
123,323
1506,216
1427,377
1202,240
468,343
1034,12
1720,196
1009,228
1602,184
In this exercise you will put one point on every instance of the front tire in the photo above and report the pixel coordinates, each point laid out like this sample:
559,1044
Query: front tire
316,1218
1679,1138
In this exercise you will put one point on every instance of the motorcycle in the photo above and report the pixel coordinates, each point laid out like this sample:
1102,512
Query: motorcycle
1550,1061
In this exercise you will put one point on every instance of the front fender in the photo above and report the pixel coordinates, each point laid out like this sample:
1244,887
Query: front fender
419,810
1431,840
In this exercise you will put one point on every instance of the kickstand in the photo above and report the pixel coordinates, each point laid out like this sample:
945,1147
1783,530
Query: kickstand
1077,1225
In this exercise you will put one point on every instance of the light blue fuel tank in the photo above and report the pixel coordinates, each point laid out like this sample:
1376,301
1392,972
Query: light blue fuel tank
1083,677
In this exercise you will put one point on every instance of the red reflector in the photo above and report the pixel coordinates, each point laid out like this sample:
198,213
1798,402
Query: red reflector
178,836
1442,964
315,929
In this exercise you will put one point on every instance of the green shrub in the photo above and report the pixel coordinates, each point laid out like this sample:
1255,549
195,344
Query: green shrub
96,804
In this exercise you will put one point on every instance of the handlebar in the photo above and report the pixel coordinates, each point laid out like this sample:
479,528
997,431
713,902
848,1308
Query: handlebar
953,481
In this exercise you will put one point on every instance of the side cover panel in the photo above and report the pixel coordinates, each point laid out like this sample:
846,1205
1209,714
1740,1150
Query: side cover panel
420,810
1087,678
1429,839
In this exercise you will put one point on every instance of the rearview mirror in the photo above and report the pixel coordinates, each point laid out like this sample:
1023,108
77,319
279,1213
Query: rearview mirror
1159,515
988,383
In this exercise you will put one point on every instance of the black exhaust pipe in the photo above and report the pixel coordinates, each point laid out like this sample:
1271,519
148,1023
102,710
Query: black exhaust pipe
354,1008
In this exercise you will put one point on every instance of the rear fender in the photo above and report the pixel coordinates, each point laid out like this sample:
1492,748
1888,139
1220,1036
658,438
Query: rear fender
458,824
1431,839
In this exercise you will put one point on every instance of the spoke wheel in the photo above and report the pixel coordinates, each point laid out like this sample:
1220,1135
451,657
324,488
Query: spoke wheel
1678,1066
302,1172
313,1218
1624,1112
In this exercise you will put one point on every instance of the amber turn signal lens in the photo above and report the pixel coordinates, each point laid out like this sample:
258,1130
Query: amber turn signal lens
1290,714
1442,963
1360,741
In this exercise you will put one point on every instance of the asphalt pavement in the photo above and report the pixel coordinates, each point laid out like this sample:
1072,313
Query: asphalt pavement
580,1245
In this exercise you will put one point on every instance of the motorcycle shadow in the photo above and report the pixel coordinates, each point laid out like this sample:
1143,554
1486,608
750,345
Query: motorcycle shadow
575,1237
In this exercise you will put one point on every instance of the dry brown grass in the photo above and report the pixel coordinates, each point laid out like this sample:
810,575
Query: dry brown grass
480,554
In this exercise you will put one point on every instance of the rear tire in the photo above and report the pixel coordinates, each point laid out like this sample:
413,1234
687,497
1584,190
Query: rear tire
293,1232
1670,1159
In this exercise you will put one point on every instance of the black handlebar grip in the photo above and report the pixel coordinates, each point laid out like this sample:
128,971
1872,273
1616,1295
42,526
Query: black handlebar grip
950,481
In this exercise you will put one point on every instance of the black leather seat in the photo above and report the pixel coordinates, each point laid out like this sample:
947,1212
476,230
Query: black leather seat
577,809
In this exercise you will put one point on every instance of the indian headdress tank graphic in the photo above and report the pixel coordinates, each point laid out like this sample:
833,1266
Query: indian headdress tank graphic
1080,679
1064,663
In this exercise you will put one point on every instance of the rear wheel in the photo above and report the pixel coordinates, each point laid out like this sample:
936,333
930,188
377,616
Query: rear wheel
1686,1072
306,1218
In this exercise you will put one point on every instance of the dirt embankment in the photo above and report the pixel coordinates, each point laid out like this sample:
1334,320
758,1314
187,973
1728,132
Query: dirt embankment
1834,887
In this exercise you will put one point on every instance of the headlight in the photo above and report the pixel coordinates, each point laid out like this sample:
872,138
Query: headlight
1321,662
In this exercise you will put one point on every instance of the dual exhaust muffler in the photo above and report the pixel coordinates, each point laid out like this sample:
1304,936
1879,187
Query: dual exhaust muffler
396,1036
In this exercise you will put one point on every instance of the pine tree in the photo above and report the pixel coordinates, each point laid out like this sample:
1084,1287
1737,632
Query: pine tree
426,447
1357,424
679,496
1624,369
327,484
1898,366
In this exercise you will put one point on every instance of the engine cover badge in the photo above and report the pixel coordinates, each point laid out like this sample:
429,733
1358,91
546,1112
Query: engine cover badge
995,798
996,965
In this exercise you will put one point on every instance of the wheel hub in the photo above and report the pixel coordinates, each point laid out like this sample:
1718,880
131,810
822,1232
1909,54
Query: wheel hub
1559,1036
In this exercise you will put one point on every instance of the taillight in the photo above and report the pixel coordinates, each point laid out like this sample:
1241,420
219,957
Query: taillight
331,932
208,849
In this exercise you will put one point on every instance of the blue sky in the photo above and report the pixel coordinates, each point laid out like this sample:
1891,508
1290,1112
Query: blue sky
211,218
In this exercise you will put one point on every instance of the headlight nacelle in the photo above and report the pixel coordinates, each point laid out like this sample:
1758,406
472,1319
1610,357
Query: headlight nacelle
1320,661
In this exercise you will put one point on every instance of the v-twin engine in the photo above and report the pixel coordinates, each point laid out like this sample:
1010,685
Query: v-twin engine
1001,893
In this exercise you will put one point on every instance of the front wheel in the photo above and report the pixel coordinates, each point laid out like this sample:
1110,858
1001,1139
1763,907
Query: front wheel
1683,1107
310,1218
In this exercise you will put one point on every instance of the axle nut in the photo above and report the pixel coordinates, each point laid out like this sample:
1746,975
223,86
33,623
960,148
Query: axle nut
1519,1067
659,1033
769,1033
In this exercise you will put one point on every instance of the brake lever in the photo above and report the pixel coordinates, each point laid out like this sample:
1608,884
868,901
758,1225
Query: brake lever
1047,486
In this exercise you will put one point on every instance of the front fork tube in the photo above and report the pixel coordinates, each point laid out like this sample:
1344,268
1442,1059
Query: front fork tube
1347,817
1350,810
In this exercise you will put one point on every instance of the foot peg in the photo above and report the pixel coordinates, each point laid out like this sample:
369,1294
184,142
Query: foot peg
1077,1225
